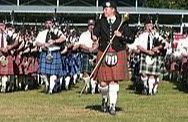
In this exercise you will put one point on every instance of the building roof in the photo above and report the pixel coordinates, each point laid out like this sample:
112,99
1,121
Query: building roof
87,10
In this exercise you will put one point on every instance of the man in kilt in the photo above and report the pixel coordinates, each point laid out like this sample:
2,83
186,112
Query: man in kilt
151,46
6,59
86,43
50,63
110,72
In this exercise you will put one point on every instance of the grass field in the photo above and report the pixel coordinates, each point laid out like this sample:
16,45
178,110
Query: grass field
169,105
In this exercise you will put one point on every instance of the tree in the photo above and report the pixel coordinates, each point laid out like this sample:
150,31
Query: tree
172,4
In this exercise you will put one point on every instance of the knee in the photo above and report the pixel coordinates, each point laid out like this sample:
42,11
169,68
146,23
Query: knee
113,87
103,84
53,77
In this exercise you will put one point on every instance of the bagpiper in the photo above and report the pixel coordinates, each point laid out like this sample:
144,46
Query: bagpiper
6,57
50,63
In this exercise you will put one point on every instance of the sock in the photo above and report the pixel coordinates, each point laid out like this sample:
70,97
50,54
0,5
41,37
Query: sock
44,79
67,81
75,76
87,81
52,82
4,81
144,80
151,84
104,92
156,85
113,90
81,75
93,85
61,81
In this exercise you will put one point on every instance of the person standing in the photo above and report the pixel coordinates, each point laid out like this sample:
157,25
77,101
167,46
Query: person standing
151,46
50,63
6,58
113,67
86,43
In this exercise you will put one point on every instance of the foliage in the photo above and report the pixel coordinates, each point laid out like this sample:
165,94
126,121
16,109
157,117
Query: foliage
172,4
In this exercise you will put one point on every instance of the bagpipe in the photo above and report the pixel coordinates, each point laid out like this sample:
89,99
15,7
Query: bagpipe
11,37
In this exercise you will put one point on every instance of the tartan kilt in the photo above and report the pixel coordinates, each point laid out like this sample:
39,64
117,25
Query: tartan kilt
64,70
118,72
71,64
8,69
53,68
153,69
22,67
33,65
16,63
86,65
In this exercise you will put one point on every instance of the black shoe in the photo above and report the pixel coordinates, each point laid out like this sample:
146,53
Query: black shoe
104,106
112,110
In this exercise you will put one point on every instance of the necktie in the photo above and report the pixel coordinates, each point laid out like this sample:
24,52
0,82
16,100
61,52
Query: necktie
148,45
2,40
110,23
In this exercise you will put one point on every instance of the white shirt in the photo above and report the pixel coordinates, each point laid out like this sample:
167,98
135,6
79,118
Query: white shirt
143,39
4,39
85,38
182,46
113,19
41,38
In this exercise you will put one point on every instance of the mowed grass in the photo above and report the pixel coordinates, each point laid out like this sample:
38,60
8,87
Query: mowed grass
169,105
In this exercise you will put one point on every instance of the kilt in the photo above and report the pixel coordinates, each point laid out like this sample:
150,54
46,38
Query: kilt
53,68
8,69
86,65
118,72
22,67
16,64
184,64
65,68
153,69
33,64
71,64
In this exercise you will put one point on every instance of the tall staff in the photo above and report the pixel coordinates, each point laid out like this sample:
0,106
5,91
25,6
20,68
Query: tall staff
125,18
113,35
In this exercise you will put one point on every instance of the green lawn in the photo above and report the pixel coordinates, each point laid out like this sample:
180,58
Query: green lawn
169,105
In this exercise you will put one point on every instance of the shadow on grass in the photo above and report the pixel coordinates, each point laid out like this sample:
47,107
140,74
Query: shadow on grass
135,89
98,108
180,86
180,82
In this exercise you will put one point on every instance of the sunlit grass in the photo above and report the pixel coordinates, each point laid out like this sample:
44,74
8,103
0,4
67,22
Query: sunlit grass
169,105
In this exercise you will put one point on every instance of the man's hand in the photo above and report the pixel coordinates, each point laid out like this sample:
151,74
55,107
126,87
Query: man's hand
76,46
51,42
9,47
155,49
117,33
151,53
94,38
4,50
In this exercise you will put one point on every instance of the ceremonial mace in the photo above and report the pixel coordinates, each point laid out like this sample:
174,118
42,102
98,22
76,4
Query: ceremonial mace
124,18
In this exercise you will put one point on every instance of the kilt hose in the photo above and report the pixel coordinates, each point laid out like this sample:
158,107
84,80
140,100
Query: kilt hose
53,68
150,69
8,69
119,72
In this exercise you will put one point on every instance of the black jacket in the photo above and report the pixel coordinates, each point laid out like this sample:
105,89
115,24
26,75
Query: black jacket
102,31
